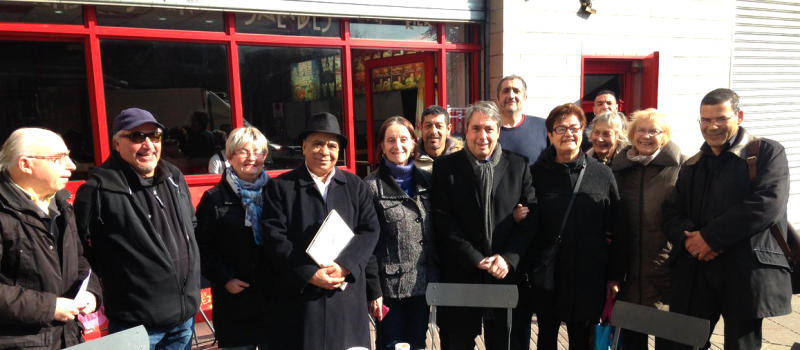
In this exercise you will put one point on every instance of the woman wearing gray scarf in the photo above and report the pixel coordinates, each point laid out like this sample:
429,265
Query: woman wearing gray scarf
646,172
230,239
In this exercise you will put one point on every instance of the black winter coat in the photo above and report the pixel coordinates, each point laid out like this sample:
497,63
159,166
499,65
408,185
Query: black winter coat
585,261
459,221
714,195
32,275
303,316
228,250
140,283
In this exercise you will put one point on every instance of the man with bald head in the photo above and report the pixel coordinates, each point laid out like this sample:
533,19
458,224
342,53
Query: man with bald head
42,258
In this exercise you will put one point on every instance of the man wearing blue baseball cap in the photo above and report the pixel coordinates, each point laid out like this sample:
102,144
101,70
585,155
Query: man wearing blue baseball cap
137,217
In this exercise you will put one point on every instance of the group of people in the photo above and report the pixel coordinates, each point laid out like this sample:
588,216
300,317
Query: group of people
517,202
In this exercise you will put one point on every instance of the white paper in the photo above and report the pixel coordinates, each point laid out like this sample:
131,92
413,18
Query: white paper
81,296
330,240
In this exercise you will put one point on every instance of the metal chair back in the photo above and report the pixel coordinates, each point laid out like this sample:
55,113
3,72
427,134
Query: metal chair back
130,339
672,326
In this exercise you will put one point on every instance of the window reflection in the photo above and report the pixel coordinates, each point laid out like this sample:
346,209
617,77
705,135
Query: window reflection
184,85
48,13
160,18
43,84
458,89
458,32
281,88
393,30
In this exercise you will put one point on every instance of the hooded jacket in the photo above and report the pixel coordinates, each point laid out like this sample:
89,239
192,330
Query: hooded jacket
141,283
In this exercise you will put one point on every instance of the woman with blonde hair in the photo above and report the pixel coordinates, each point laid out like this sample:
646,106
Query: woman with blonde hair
646,172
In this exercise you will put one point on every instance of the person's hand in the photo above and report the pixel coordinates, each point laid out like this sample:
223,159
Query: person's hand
520,212
323,278
86,303
66,310
340,271
499,268
236,286
612,288
697,246
486,263
376,308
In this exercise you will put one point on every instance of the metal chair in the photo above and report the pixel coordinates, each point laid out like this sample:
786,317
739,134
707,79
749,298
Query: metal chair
672,326
501,296
130,339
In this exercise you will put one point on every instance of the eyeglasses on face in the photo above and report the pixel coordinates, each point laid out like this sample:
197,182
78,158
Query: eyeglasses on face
139,137
604,134
561,129
246,153
651,133
57,159
715,121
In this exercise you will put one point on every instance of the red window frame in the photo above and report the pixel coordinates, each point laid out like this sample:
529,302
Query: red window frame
90,34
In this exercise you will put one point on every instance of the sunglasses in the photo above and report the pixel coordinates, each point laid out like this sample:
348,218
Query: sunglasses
139,137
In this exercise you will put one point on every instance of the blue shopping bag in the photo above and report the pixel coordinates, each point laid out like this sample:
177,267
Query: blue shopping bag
604,331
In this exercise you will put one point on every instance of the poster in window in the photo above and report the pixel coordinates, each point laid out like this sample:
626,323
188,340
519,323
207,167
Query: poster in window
331,76
381,79
305,80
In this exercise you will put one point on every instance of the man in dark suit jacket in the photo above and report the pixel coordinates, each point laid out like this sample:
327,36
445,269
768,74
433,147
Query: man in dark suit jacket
476,191
718,221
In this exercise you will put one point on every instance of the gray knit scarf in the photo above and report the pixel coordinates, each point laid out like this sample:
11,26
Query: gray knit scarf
634,156
484,170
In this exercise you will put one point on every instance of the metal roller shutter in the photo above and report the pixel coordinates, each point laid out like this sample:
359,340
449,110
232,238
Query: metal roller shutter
765,72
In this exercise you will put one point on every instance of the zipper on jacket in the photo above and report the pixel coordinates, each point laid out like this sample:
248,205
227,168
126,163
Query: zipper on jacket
641,229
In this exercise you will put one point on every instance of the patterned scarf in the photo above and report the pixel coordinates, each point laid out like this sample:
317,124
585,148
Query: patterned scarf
484,170
252,201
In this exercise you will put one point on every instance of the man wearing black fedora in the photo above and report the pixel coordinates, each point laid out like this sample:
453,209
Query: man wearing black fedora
310,310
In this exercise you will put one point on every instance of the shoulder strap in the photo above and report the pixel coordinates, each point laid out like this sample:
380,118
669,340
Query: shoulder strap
752,151
571,200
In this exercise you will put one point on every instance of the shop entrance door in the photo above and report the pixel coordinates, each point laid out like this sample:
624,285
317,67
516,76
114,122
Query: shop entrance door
395,86
633,79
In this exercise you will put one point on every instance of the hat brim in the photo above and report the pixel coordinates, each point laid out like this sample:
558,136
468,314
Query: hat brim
304,134
136,125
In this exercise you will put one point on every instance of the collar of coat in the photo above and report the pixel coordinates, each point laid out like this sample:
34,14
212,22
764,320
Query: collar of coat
304,177
12,198
389,189
451,145
113,170
738,147
670,155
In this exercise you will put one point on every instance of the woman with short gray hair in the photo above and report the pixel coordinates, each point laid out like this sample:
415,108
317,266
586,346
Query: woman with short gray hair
230,240
607,132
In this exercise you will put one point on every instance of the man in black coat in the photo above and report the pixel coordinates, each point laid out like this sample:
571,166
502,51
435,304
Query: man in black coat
311,309
718,221
476,191
43,266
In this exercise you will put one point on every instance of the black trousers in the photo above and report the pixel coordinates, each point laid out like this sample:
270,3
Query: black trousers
579,333
707,289
461,335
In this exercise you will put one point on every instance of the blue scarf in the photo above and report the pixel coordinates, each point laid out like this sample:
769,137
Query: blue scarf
401,174
252,201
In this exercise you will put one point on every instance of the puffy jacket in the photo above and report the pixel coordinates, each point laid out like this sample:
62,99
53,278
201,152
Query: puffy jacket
643,189
31,275
140,283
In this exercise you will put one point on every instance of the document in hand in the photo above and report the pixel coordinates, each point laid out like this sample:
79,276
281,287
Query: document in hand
330,240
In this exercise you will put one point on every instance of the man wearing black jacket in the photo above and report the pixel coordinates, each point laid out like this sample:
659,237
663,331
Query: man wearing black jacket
136,215
718,221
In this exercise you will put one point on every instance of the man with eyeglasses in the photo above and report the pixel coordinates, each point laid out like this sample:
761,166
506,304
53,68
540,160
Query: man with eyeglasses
313,308
718,220
136,214
43,266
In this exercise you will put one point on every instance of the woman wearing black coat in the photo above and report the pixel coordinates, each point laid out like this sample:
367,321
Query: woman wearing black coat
585,268
230,241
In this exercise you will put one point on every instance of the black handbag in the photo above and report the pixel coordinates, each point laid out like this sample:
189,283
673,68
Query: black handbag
791,245
543,273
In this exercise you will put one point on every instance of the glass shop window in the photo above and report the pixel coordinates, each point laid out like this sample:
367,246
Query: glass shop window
264,23
43,84
184,85
393,30
160,18
281,88
458,32
459,89
47,13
